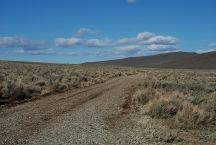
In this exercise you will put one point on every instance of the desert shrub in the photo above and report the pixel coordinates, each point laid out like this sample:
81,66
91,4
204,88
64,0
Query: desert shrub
195,88
11,89
101,80
76,84
143,96
31,90
16,90
193,117
59,86
2,77
158,103
185,110
156,108
6,90
118,74
210,104
83,77
162,108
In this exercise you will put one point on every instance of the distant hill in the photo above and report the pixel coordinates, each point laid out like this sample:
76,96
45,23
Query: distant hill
178,60
199,61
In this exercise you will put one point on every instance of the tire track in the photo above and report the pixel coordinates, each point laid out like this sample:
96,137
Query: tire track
33,119
90,89
73,93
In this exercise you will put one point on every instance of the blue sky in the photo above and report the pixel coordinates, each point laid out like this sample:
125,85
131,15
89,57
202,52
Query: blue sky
75,31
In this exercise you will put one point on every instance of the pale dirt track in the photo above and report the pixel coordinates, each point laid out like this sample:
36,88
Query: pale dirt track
87,116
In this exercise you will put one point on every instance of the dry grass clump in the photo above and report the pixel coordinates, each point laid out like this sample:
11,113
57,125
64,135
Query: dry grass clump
191,116
142,96
163,108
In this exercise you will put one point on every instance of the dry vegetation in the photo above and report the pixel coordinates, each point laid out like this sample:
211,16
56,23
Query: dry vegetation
182,99
184,102
21,81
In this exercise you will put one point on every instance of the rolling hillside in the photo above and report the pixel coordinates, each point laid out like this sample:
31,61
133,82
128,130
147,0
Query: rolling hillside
178,60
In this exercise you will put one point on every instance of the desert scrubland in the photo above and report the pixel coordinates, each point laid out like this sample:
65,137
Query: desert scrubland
102,104
21,81
182,100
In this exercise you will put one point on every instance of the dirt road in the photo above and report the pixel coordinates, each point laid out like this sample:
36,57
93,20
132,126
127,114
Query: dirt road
86,117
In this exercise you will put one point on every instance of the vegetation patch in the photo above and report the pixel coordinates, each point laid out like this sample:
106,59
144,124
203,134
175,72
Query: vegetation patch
186,100
20,81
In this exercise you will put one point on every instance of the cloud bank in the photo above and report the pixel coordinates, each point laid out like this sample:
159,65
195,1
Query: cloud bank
144,41
15,42
25,46
141,44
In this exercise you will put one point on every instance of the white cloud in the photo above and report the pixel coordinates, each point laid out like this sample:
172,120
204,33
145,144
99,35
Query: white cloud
117,51
62,42
97,42
161,40
125,41
76,40
36,52
145,35
142,43
6,42
18,42
131,1
106,53
84,31
26,46
156,47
